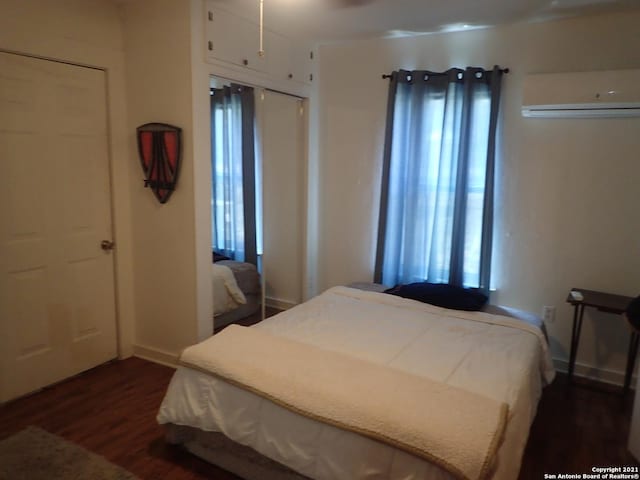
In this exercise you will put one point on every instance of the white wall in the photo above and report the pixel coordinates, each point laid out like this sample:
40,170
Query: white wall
567,190
201,138
168,81
159,89
87,32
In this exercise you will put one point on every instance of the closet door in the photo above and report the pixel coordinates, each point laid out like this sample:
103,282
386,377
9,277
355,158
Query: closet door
57,301
281,132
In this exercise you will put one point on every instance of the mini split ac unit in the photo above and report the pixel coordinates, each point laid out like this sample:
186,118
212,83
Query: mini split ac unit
613,93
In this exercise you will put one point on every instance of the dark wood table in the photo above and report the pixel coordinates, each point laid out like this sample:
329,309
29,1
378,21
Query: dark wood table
604,302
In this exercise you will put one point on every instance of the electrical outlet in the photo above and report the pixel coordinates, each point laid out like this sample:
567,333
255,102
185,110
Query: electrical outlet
549,314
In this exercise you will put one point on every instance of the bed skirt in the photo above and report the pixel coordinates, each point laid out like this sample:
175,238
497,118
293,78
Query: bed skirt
216,448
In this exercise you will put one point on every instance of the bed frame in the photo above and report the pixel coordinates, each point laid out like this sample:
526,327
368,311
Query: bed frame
219,450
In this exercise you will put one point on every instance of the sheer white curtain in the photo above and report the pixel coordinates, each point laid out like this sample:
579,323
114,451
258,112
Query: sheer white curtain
437,193
233,173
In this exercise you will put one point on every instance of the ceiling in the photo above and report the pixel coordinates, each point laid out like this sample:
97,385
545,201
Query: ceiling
340,20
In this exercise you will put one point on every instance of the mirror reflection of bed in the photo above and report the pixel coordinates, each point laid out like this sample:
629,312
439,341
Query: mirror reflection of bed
237,292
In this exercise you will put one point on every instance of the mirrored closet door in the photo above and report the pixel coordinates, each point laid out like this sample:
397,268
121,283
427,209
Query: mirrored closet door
258,159
281,133
237,286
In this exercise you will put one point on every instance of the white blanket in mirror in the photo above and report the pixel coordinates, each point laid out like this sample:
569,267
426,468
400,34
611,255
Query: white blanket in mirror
227,295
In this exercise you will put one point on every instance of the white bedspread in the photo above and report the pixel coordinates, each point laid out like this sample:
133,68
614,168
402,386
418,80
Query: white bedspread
227,295
494,356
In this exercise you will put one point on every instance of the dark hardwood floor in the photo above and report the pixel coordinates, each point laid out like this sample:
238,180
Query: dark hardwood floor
111,411
253,319
577,427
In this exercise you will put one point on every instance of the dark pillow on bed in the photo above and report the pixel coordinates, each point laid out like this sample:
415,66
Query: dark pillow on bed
218,258
441,295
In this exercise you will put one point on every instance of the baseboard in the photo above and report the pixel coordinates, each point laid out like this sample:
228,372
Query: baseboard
613,377
156,356
279,304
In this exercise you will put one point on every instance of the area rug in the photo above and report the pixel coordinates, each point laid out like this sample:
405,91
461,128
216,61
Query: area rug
34,454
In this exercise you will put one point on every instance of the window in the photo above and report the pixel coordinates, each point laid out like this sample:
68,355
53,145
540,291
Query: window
436,210
233,199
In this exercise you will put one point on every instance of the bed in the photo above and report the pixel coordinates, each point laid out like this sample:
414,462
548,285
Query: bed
236,291
483,359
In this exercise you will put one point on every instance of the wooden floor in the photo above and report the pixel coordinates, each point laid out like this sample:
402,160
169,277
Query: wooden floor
252,319
577,427
111,410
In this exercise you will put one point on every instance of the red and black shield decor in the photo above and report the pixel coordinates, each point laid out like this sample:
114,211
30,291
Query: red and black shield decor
159,146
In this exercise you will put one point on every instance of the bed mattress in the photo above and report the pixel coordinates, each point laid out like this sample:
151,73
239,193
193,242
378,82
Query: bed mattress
482,353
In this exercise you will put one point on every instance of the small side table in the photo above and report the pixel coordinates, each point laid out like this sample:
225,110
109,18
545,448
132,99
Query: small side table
604,302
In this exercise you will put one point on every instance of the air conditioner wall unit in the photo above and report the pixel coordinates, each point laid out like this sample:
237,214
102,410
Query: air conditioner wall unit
611,93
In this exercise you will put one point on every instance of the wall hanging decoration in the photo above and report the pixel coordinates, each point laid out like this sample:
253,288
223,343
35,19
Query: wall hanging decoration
160,148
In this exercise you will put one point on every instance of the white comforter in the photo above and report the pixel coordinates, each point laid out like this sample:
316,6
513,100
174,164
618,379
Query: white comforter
464,349
227,295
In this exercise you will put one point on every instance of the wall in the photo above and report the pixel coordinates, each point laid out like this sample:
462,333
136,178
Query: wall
159,88
87,32
168,81
201,138
566,193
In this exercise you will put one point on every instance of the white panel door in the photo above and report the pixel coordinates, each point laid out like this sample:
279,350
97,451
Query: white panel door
283,163
57,300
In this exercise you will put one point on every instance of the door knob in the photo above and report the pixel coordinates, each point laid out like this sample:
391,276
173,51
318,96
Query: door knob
107,245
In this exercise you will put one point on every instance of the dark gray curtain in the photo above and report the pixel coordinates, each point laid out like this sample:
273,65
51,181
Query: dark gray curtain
436,209
233,172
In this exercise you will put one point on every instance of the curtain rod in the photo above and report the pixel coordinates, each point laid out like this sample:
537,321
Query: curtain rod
386,76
